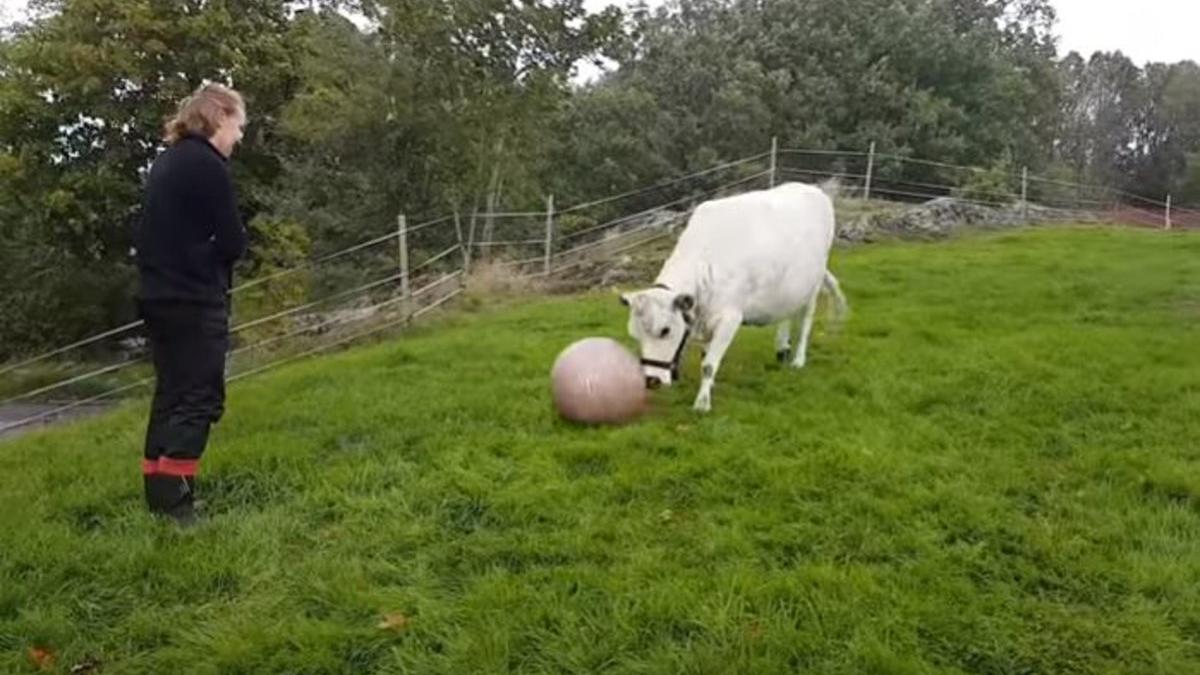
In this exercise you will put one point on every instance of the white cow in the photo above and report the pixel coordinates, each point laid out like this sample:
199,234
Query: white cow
756,258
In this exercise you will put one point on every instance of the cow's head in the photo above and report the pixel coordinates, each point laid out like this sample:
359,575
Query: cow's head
661,321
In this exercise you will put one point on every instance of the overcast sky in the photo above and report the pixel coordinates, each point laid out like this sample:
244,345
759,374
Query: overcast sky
1146,30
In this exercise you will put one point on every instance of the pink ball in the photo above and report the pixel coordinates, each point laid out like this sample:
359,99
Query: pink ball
597,381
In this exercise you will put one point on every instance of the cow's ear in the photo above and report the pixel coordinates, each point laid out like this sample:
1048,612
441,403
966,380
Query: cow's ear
626,300
684,302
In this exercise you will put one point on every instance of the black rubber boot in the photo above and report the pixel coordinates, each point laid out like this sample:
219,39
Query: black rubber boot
173,497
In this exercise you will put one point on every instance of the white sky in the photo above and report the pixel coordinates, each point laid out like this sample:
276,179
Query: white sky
1145,30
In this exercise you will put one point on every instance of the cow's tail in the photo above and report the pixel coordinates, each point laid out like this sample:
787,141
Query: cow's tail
840,309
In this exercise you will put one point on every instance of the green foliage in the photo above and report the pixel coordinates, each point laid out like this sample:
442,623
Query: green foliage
993,186
83,94
441,106
279,246
1127,127
714,78
1188,189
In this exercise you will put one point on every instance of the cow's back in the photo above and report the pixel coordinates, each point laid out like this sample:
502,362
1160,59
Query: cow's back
743,224
764,251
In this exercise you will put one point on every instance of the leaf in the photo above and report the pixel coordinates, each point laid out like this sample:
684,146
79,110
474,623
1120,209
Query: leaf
41,658
395,622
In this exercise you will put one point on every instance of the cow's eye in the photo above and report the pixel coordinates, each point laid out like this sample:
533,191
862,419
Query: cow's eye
664,332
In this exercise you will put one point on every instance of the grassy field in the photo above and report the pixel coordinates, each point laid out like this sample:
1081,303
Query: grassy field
994,468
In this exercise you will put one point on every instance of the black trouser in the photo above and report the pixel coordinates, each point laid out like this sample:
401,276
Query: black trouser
188,342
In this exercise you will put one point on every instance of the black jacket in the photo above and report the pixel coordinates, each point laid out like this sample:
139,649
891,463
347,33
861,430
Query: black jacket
190,232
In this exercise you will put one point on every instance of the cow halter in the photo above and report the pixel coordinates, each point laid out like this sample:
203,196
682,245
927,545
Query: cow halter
672,366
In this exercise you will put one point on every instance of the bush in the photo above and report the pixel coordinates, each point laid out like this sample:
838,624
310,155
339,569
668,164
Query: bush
276,245
992,186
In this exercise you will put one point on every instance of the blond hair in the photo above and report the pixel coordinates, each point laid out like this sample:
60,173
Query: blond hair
202,112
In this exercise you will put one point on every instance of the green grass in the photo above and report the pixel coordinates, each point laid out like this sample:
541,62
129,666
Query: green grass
993,469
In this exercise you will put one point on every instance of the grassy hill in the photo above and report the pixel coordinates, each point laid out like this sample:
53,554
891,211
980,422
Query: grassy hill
994,468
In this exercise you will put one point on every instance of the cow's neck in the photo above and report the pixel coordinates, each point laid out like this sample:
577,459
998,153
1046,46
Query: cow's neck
680,278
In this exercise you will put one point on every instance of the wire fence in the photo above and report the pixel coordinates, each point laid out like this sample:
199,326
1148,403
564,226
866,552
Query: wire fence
367,288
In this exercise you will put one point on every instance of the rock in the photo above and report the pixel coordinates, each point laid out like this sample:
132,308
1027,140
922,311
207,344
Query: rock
941,217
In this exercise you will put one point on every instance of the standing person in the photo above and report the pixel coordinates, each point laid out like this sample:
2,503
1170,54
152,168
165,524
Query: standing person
189,238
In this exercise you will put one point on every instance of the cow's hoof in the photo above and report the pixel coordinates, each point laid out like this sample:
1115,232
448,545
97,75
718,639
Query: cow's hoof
702,405
783,355
798,364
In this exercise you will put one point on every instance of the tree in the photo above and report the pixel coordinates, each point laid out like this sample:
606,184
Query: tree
83,94
428,110
960,80
1128,127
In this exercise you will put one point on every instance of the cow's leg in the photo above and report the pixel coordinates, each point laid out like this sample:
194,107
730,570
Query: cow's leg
806,323
722,336
783,341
